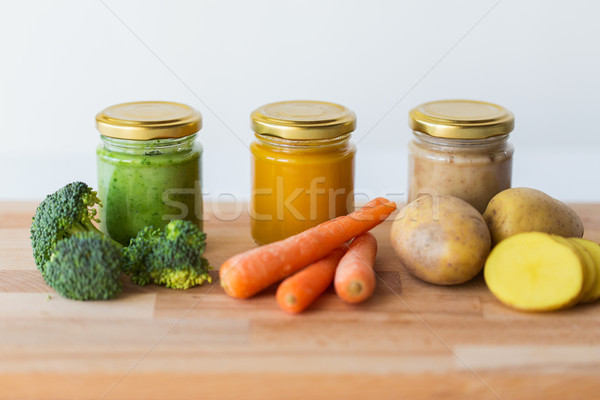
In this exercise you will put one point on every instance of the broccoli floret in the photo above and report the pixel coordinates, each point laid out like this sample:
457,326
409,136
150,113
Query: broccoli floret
61,215
85,266
135,256
171,257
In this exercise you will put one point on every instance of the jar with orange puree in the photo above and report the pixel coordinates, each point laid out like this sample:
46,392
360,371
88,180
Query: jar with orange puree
302,167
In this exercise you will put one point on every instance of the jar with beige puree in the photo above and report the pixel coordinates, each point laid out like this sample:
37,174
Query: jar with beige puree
460,148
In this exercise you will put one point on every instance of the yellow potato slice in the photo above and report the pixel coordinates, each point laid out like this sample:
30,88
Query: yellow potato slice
593,249
589,269
534,272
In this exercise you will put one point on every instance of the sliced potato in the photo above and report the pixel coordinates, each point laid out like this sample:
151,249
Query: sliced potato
534,272
589,270
593,250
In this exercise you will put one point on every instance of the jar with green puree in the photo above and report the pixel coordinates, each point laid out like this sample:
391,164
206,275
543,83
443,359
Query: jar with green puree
149,167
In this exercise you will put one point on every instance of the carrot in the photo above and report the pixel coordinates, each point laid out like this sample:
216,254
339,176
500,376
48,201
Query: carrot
299,290
354,277
248,273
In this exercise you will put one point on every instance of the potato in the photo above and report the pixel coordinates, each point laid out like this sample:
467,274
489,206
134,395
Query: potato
519,210
534,271
441,239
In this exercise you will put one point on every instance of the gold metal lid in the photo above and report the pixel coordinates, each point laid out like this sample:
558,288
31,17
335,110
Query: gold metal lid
461,119
146,120
303,120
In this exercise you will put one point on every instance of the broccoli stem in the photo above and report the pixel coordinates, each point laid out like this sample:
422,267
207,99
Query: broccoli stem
87,226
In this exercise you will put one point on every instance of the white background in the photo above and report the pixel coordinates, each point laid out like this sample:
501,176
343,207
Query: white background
63,61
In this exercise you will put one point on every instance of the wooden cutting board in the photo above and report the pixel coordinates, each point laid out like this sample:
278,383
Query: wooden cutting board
410,340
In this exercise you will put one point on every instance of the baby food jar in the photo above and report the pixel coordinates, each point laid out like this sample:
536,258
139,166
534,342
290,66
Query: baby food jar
460,148
302,167
148,166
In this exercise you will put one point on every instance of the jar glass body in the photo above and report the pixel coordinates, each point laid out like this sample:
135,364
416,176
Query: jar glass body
297,184
474,170
148,182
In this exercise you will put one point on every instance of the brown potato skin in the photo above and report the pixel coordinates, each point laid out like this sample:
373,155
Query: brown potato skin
523,209
441,239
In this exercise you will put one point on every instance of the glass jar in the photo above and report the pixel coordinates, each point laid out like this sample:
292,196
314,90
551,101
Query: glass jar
460,148
149,167
302,167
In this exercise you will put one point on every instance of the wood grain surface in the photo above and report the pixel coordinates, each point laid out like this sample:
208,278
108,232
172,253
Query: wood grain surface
411,340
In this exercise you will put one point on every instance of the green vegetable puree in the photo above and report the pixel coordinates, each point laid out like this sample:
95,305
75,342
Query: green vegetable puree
148,186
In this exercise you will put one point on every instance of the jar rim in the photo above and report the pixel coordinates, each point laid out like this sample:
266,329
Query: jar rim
461,142
158,146
285,142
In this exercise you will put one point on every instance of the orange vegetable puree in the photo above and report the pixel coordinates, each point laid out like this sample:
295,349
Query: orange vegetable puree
299,184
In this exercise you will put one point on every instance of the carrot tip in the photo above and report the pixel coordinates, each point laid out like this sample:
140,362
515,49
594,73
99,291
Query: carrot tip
291,300
355,288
